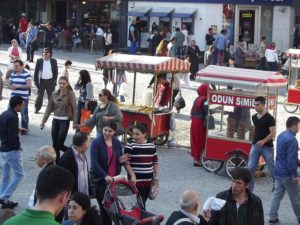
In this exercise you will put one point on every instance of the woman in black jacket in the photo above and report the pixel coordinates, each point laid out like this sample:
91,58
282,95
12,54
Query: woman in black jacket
193,53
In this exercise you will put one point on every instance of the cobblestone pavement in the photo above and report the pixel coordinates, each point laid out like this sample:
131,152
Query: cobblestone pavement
176,171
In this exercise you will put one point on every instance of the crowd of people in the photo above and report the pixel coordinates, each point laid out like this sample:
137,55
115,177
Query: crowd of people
67,182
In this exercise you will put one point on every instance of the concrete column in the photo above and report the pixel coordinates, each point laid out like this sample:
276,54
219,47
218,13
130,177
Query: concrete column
283,26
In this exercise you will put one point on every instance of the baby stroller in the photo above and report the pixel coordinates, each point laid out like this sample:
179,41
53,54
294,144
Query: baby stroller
124,205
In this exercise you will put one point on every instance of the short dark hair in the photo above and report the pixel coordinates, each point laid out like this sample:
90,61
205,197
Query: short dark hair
19,61
141,127
15,101
48,50
137,19
177,29
209,29
68,62
291,121
241,173
260,99
263,38
52,181
80,138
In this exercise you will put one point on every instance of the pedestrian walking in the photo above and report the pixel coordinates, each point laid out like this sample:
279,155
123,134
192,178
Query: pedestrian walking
193,54
285,171
262,144
262,51
143,171
49,36
242,206
106,111
1,85
220,47
208,56
53,189
133,37
63,105
86,93
189,211
108,41
106,162
81,212
14,53
22,30
68,65
20,84
10,151
239,55
45,76
75,161
31,41
272,57
209,37
180,38
198,130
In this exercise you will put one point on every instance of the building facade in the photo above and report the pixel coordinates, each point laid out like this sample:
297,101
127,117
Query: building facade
245,20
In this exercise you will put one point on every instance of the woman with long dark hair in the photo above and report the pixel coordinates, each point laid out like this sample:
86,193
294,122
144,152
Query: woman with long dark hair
63,105
86,94
106,162
105,112
80,211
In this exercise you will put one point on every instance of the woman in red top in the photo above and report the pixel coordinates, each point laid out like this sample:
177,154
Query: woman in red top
198,129
14,53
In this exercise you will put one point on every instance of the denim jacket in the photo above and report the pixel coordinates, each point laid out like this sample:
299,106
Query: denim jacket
287,160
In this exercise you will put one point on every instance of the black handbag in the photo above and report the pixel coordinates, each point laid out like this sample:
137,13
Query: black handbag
92,105
210,122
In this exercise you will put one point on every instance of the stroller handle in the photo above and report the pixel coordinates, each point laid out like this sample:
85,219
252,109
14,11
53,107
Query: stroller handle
152,220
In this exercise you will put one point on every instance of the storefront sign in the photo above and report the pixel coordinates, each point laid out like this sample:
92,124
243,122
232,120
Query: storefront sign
239,101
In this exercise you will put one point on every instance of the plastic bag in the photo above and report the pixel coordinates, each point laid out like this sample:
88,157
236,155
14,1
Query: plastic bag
123,89
213,203
110,87
85,115
153,192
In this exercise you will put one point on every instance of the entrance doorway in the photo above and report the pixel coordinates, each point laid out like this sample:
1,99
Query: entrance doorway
247,24
61,12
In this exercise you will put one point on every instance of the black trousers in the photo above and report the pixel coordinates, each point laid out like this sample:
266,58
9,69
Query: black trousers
144,193
99,196
59,133
47,85
30,52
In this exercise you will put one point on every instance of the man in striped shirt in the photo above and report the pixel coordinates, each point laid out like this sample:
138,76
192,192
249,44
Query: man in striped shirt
20,83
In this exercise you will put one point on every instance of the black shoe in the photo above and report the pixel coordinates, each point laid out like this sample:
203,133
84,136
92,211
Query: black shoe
8,204
192,77
274,221
36,111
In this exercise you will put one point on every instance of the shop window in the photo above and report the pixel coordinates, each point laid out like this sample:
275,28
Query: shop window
165,22
144,24
266,22
189,23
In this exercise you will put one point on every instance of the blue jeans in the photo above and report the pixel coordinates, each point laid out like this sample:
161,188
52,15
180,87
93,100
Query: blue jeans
10,160
254,155
24,115
293,190
133,47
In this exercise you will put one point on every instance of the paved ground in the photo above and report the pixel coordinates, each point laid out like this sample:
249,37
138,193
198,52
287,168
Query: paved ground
176,170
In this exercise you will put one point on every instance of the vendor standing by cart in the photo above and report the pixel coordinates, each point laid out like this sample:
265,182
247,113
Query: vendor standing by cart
262,145
198,129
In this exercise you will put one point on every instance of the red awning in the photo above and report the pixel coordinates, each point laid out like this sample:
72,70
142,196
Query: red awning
142,63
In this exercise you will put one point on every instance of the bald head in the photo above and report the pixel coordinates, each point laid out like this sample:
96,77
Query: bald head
190,201
45,155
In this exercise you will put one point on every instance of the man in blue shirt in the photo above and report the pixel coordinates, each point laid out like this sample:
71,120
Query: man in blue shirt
20,83
10,151
31,41
220,46
285,172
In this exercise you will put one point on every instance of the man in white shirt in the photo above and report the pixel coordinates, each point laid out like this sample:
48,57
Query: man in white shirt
45,77
272,57
100,36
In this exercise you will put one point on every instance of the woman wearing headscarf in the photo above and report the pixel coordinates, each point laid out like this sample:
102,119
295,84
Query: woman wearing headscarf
193,53
198,129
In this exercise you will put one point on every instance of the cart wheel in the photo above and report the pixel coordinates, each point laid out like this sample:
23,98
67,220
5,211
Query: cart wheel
290,108
161,140
212,166
234,161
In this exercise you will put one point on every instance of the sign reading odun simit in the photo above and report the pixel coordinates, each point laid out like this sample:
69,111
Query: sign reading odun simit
239,101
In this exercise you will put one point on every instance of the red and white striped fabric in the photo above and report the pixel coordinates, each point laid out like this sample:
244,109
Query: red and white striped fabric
293,53
142,63
241,77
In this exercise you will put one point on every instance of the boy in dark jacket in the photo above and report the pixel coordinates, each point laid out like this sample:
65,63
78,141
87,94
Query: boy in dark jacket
242,207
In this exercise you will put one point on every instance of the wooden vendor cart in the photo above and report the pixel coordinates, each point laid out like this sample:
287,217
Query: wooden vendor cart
230,140
157,121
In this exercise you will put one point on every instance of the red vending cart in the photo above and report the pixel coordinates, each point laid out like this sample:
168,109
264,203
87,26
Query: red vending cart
230,139
157,122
